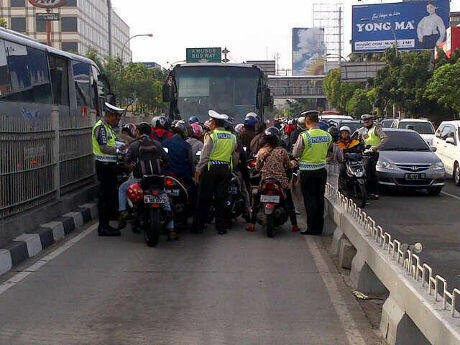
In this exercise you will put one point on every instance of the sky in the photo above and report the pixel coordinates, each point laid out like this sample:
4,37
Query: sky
250,29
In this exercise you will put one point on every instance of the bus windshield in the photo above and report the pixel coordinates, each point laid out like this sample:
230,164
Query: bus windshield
228,90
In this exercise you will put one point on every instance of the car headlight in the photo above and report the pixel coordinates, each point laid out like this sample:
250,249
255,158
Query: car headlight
385,165
438,166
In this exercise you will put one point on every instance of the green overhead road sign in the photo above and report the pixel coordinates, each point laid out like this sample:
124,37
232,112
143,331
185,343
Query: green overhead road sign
204,54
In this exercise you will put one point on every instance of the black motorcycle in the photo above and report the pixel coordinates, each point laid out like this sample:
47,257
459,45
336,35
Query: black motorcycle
234,203
355,178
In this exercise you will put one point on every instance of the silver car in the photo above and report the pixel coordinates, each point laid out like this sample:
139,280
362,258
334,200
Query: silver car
406,161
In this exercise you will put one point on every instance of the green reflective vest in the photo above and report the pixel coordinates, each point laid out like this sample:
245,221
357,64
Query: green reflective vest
316,145
224,146
372,138
111,138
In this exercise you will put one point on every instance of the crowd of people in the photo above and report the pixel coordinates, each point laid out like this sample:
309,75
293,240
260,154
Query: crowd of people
204,156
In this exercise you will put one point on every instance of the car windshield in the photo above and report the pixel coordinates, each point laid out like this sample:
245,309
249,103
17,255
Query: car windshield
228,90
419,127
387,123
404,141
354,125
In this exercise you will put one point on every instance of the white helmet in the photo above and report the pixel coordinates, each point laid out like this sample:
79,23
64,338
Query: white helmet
345,128
239,128
301,122
251,114
159,121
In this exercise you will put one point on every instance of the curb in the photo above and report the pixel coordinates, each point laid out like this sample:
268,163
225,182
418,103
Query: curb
30,244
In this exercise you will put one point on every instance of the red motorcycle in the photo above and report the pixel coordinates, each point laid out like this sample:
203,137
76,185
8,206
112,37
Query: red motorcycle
273,204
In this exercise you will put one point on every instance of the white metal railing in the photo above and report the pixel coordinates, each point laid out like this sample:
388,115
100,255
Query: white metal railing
422,273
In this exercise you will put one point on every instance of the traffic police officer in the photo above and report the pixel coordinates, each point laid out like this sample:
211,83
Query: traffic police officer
105,151
373,137
312,147
214,172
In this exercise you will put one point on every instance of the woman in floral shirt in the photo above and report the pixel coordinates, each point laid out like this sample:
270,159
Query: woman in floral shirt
273,162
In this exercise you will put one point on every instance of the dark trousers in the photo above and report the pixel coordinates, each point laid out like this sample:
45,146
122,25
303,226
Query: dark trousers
343,177
372,182
313,184
289,205
213,186
108,191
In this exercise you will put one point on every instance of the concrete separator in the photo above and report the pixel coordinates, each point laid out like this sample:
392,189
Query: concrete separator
30,244
413,314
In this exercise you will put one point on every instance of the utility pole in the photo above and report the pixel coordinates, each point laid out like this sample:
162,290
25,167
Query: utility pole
340,37
277,59
225,52
109,23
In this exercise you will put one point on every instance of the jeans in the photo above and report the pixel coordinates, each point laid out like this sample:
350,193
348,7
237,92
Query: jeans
122,197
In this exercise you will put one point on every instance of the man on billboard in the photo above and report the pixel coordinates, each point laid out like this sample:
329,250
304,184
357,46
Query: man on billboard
431,30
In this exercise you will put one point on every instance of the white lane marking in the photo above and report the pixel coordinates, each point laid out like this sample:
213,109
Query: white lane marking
43,261
352,333
451,195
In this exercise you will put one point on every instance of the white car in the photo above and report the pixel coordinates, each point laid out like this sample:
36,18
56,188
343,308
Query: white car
423,127
447,143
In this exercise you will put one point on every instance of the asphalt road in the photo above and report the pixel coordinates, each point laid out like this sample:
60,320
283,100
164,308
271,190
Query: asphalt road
242,288
433,221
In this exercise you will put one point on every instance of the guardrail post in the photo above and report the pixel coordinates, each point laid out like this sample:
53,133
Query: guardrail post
56,150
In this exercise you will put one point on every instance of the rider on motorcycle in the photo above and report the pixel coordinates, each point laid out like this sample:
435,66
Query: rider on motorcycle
273,162
345,144
195,140
160,128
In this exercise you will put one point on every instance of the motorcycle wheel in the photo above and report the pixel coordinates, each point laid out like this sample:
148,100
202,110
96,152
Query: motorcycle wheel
269,225
360,194
152,231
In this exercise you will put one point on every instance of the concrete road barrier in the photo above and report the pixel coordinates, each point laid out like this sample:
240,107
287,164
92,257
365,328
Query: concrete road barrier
420,308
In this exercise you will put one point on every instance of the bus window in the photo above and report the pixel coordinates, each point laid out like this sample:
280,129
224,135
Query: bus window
59,80
29,74
81,73
5,87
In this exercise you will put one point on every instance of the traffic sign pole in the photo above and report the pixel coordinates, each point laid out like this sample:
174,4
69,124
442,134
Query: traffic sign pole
48,30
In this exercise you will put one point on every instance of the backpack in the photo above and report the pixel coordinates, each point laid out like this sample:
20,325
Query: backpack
149,157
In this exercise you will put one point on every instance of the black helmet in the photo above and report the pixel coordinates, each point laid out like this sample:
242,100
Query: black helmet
180,127
334,132
193,119
272,131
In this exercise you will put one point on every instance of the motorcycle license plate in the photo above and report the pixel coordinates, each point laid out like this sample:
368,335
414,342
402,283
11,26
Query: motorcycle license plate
233,190
173,192
155,199
270,198
415,177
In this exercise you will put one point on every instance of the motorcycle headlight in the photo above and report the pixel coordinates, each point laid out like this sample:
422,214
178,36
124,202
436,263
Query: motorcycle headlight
438,166
385,165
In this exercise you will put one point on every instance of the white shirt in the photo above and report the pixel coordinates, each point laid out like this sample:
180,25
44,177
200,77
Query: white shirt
431,25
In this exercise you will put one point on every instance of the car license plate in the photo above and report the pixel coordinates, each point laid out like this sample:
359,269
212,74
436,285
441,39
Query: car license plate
233,190
173,192
415,176
270,198
155,199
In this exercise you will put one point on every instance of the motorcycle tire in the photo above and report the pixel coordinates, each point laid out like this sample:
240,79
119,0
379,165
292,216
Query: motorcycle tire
152,230
270,226
360,195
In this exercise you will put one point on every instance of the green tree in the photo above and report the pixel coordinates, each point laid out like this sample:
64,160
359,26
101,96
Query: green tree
3,23
444,86
359,103
338,93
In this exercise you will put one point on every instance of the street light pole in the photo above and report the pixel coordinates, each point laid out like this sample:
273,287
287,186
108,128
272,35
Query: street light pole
129,39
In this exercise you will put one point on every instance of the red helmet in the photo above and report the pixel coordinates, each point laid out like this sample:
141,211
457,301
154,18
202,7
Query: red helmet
135,193
197,130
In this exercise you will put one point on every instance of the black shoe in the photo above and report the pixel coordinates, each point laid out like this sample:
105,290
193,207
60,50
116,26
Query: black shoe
373,197
108,233
222,231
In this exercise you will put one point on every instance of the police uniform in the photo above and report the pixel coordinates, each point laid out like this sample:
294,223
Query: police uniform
312,148
214,168
375,138
106,170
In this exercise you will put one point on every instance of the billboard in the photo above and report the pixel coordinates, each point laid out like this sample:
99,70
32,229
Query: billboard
413,25
47,3
308,50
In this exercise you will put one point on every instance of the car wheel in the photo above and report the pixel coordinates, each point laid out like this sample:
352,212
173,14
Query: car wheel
456,174
434,191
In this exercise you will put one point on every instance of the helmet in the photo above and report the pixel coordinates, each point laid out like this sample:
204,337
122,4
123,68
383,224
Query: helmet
334,132
207,125
135,193
239,128
159,121
180,127
251,114
197,130
272,131
193,119
365,117
250,121
301,122
345,128
131,128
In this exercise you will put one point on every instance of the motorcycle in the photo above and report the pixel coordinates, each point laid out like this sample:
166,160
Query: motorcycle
151,204
180,199
355,179
254,179
273,204
234,203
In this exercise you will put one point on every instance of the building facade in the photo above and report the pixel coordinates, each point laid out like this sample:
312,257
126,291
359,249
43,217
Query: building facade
83,24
